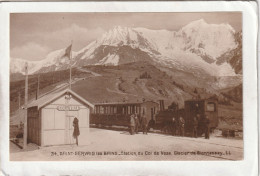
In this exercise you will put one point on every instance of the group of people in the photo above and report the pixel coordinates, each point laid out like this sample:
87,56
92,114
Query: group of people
178,126
137,123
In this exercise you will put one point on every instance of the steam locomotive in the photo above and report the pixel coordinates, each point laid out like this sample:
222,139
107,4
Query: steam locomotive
192,108
118,114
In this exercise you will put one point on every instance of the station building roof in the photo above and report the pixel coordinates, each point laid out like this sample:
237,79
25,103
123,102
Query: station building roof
41,102
124,103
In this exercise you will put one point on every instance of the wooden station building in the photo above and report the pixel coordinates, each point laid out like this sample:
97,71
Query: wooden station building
50,119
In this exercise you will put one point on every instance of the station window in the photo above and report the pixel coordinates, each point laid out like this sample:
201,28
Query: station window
111,109
108,110
119,110
114,110
129,109
143,111
211,107
101,110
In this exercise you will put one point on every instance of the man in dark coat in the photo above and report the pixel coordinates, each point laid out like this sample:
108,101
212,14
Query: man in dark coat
177,131
174,124
144,124
195,126
182,126
132,124
76,132
206,127
137,124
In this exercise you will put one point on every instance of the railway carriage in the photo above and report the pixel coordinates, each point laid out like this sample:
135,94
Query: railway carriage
118,114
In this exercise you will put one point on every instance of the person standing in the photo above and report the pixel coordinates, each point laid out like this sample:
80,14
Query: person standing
182,126
177,131
174,124
76,132
144,124
132,124
195,127
206,127
137,123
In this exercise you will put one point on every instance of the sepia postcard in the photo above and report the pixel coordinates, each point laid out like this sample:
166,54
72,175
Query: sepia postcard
127,86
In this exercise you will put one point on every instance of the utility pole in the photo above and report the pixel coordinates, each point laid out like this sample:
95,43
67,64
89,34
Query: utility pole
25,107
67,120
70,57
53,78
70,76
38,87
19,100
19,105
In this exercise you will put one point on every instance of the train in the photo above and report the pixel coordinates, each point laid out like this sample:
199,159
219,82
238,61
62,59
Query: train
118,114
192,108
159,118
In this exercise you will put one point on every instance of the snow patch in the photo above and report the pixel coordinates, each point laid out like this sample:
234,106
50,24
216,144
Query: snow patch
110,59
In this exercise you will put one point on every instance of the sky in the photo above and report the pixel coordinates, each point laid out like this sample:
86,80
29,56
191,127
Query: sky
34,35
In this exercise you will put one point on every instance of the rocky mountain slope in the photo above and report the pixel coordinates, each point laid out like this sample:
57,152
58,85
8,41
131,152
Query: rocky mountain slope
199,48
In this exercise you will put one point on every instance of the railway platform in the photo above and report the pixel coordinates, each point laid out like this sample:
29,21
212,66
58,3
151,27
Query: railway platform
109,145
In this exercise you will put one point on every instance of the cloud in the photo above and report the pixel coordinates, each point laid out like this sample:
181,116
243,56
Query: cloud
41,43
30,51
77,32
61,38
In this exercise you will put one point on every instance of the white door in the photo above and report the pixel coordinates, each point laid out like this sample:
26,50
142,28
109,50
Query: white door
53,127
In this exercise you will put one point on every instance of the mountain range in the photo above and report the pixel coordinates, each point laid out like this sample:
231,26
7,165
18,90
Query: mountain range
198,48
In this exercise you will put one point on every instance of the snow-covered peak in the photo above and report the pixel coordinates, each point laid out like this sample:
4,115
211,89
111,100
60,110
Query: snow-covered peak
197,23
118,36
197,43
202,24
119,28
207,39
53,58
17,65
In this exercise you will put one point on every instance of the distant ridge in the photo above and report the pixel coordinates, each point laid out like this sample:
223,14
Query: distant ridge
197,47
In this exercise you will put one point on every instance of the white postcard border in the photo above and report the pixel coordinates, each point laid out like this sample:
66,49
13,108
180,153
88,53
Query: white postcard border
248,166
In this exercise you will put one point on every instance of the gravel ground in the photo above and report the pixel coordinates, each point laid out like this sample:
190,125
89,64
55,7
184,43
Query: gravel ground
120,145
